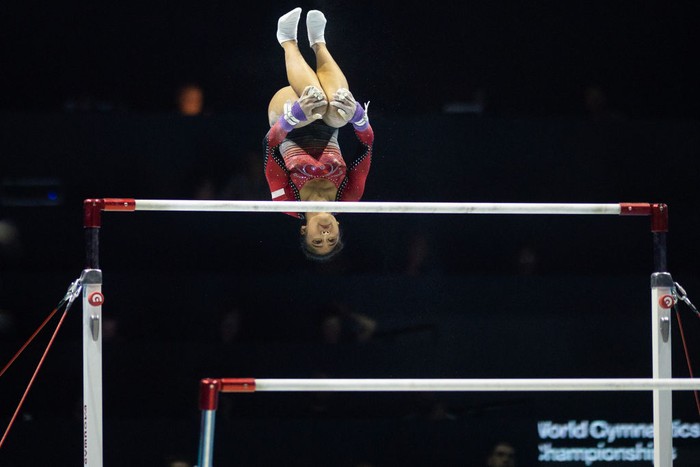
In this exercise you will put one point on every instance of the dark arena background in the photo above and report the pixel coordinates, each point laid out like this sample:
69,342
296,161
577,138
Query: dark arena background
522,101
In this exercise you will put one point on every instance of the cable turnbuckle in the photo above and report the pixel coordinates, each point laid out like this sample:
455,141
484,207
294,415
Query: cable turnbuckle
73,290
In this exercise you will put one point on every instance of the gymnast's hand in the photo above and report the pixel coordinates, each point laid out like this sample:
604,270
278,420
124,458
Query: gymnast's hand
350,110
313,103
344,101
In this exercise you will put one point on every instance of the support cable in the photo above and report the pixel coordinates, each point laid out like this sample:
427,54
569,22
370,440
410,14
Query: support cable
682,296
67,301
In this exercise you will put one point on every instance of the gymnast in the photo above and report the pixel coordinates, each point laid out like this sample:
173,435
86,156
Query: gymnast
303,161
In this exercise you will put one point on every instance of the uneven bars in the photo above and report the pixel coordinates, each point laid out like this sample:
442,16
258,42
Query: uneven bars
209,390
130,204
379,385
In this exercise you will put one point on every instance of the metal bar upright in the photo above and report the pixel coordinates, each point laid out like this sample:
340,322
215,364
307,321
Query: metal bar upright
92,338
661,304
92,368
662,300
208,401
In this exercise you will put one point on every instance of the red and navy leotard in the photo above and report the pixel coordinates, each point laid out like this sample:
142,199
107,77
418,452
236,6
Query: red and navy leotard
311,152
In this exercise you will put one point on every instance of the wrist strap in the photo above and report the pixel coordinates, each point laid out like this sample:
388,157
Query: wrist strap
359,120
293,114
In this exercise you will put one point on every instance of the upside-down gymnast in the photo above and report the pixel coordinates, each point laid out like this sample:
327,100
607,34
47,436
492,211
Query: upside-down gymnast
303,161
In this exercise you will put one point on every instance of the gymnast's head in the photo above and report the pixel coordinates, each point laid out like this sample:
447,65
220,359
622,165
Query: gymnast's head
320,236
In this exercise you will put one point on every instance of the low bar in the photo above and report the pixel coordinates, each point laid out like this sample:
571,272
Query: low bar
379,385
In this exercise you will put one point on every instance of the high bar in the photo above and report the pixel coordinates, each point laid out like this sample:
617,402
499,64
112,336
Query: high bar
474,385
128,204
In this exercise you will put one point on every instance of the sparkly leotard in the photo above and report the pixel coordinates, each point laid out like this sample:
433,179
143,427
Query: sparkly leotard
312,152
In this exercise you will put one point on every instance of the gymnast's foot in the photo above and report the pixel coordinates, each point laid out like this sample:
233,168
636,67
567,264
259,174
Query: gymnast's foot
315,27
287,26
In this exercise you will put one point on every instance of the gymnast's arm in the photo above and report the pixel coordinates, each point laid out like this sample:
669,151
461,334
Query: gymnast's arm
358,169
276,172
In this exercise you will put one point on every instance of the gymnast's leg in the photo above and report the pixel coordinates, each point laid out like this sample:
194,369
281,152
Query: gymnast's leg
299,74
328,71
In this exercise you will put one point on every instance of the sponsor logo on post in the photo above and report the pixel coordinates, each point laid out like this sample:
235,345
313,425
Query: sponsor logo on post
96,299
667,301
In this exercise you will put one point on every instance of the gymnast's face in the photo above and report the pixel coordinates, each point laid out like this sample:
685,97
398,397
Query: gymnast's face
321,232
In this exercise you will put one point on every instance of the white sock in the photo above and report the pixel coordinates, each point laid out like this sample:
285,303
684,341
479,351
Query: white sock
287,26
315,27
